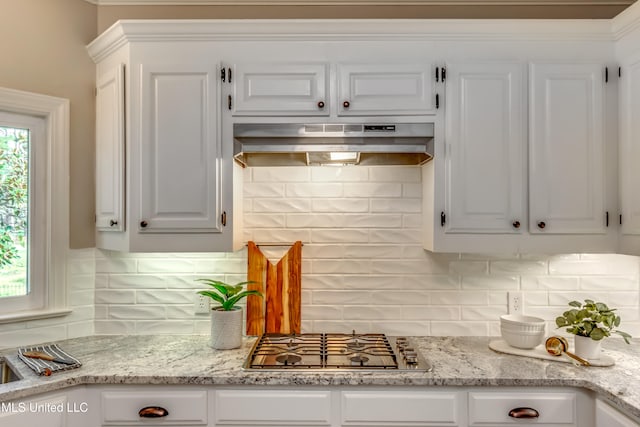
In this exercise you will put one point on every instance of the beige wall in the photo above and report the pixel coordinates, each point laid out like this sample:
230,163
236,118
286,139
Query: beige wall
43,50
109,14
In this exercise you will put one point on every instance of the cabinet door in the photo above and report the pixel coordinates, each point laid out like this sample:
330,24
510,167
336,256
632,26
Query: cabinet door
630,147
485,158
50,411
608,416
400,408
180,149
398,89
110,150
566,149
273,407
280,90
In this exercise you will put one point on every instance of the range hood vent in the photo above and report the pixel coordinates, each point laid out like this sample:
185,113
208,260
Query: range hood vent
333,144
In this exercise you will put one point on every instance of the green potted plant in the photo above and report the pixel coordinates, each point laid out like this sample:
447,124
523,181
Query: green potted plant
226,319
590,323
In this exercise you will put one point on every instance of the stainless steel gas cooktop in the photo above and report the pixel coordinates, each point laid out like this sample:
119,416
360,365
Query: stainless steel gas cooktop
335,351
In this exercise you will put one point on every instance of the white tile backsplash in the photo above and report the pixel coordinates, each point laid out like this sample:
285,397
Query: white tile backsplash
363,268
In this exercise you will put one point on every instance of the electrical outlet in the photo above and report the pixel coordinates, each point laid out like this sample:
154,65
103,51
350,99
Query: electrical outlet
515,302
201,304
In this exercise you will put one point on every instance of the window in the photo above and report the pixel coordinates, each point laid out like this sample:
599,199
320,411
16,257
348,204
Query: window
34,207
22,180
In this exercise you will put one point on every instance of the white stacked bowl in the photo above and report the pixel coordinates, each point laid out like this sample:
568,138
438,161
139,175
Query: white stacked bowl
521,331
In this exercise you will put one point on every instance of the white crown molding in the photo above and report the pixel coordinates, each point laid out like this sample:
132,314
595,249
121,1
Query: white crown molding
626,22
360,2
125,31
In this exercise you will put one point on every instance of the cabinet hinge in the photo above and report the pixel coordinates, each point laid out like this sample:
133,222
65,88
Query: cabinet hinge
437,101
607,218
443,219
223,74
437,74
444,74
606,74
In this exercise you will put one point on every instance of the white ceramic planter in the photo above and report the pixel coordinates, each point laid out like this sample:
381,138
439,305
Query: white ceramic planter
587,348
226,329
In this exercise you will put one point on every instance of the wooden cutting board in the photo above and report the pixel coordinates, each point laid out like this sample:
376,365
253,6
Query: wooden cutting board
279,311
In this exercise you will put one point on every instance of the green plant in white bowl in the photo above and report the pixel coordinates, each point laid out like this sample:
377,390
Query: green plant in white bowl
591,319
226,320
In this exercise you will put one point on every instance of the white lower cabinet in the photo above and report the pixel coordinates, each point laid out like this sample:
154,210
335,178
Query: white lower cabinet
272,407
608,416
145,407
68,408
330,406
401,408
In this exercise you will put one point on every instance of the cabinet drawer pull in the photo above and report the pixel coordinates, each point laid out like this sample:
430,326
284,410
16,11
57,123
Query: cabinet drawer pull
223,218
321,104
144,224
516,224
523,413
153,412
346,104
541,225
113,222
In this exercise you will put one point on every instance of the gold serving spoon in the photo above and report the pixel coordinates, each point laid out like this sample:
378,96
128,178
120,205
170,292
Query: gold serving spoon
558,345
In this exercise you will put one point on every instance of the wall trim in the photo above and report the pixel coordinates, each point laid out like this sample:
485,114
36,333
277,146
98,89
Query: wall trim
163,30
361,2
55,111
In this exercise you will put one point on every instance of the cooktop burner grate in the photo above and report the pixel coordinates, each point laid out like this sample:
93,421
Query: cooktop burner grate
333,351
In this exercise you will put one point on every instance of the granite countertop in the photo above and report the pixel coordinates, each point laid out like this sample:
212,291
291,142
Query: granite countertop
457,361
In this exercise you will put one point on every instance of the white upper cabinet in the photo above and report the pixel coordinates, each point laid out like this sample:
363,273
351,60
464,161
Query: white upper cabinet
110,149
566,149
303,89
286,89
174,173
389,89
629,147
180,150
485,160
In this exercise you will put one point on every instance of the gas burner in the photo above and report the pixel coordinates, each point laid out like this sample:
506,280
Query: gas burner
288,359
358,359
334,351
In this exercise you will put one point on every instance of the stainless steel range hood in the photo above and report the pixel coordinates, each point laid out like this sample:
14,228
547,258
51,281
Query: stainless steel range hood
333,144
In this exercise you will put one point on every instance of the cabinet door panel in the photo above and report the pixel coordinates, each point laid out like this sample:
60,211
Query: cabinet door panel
608,416
180,149
485,139
50,412
373,89
271,407
399,408
494,408
280,89
110,150
630,147
566,149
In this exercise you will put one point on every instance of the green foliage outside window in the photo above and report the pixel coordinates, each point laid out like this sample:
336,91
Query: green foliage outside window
14,209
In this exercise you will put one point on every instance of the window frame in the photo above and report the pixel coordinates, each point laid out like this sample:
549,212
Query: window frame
54,205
